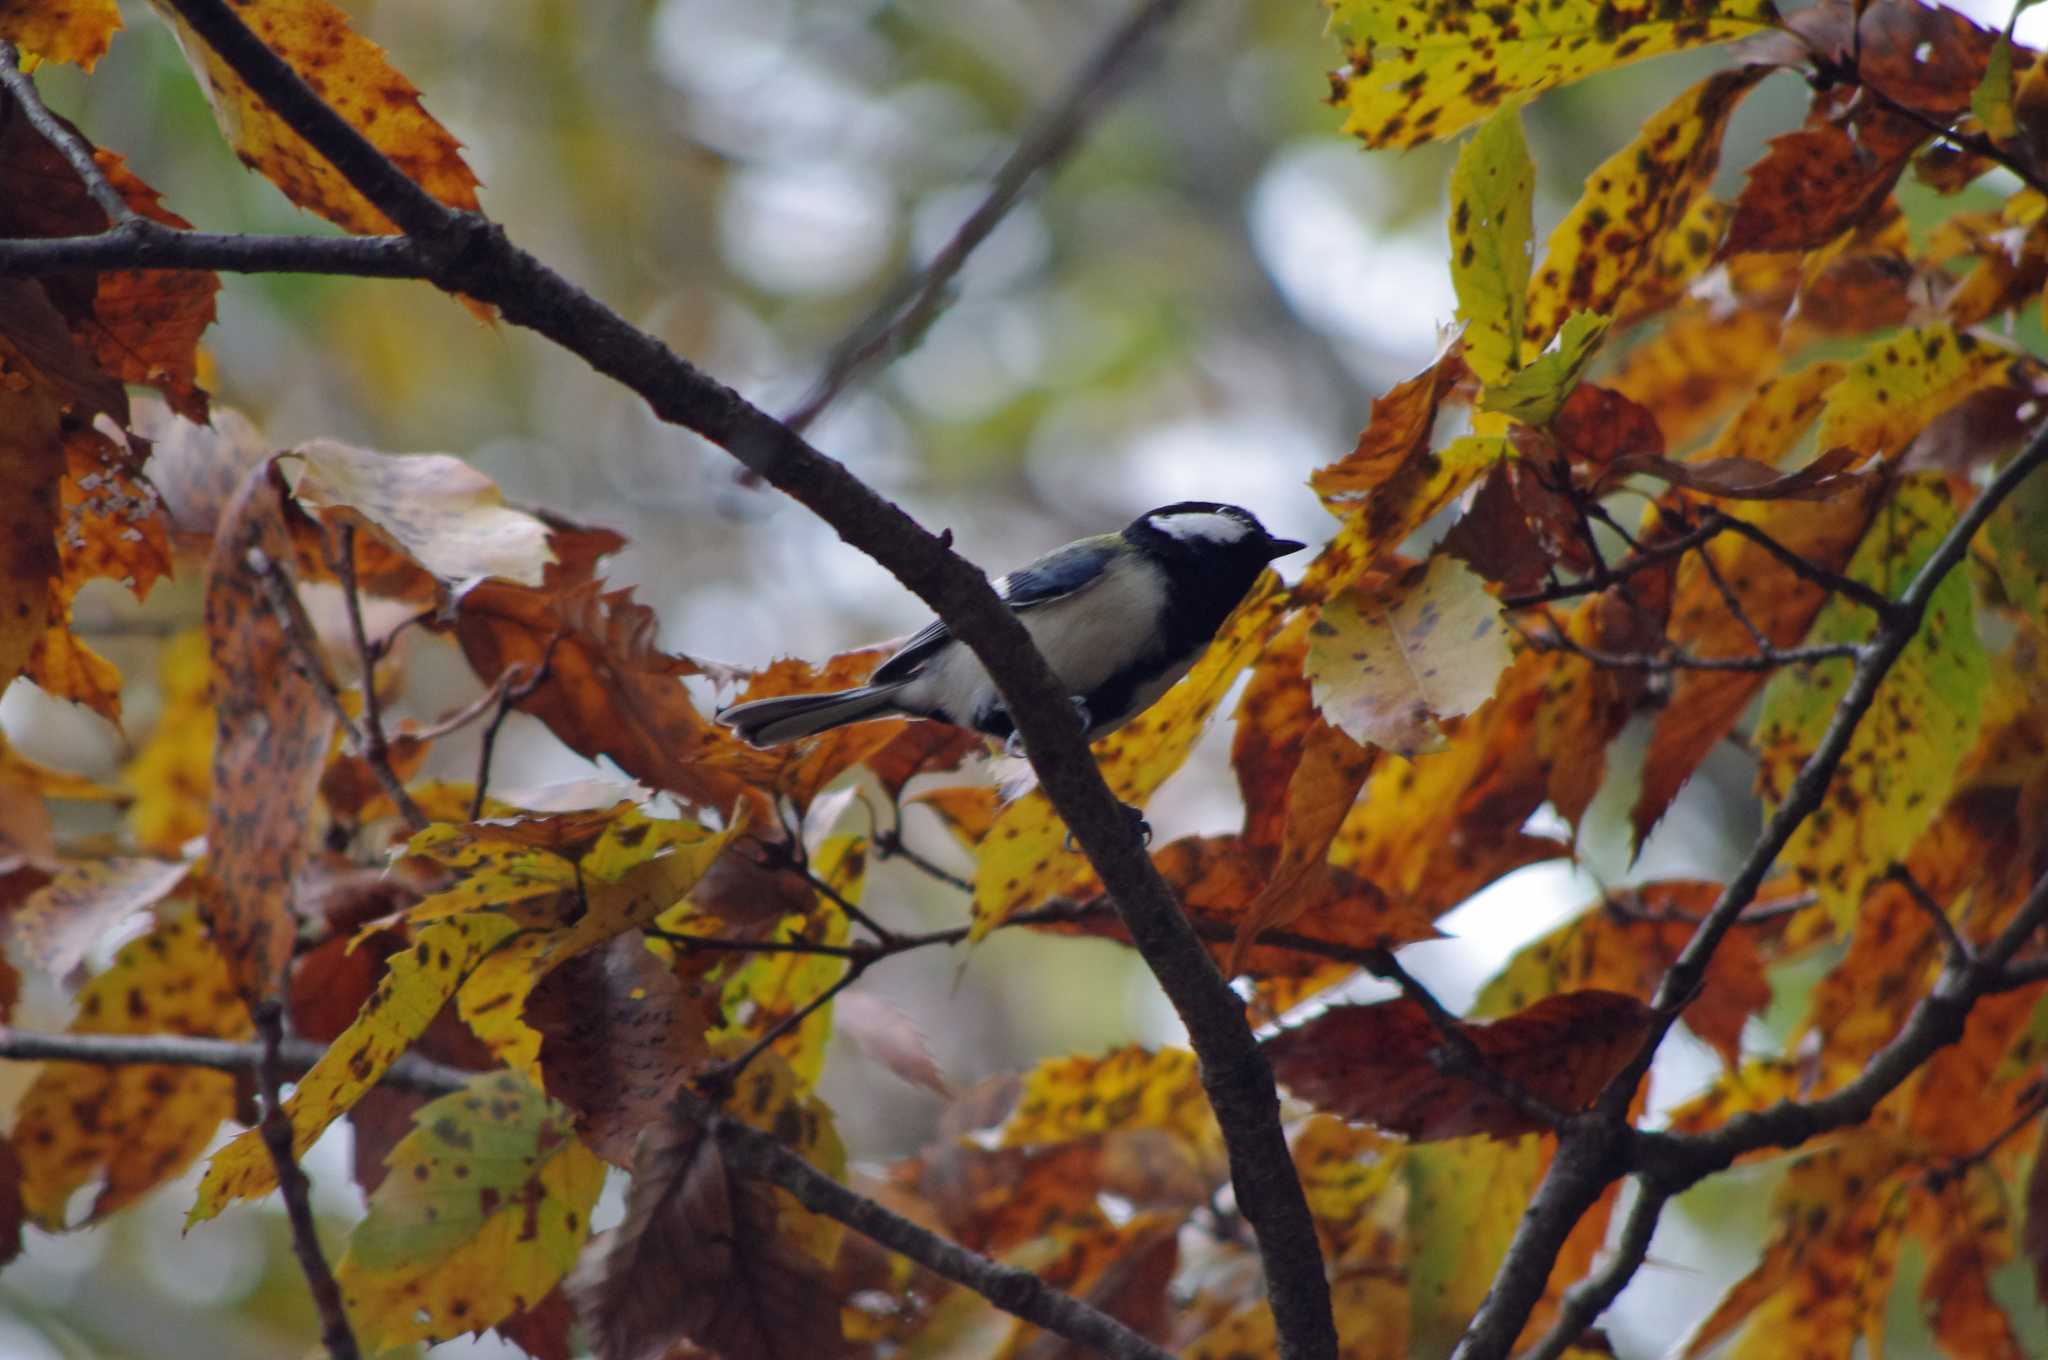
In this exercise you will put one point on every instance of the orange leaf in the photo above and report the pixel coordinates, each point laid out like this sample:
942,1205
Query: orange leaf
31,462
271,739
77,32
350,73
1373,1062
1319,795
803,769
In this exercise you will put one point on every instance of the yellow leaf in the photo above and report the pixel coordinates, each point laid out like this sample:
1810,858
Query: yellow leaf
418,983
1425,69
775,1098
1902,383
1633,205
1771,422
1024,858
1898,769
1349,1174
485,1210
351,74
76,32
1370,1311
1492,193
172,775
1065,1099
134,1126
1379,522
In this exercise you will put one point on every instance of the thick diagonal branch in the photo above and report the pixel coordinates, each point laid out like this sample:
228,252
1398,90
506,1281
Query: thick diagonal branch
470,255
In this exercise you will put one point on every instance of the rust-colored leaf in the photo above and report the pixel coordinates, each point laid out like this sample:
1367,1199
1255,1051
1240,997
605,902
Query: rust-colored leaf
608,691
1373,1062
700,1258
31,463
620,1034
271,738
1320,794
803,769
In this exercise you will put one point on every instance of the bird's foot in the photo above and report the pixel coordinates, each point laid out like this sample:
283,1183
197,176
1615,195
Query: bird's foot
1013,745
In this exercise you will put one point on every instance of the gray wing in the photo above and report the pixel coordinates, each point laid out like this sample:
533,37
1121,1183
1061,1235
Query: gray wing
1055,576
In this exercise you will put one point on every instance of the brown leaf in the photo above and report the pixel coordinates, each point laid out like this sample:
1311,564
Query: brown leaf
12,1212
1817,182
804,768
1320,793
271,739
1398,434
31,463
1122,1271
87,901
992,1200
921,748
138,326
1373,1062
1597,425
1746,479
699,1258
1217,878
542,1331
620,1035
1274,716
1494,536
115,525
608,690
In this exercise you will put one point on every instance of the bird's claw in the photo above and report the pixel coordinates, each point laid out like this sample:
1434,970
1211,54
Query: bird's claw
1013,745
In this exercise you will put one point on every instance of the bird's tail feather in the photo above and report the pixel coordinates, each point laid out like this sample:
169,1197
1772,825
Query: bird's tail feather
770,722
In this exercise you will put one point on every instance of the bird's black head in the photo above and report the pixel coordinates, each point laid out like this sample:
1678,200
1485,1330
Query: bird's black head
1211,554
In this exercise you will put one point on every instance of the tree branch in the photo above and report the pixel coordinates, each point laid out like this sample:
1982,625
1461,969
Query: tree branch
1015,1291
296,1056
293,1186
907,311
471,255
140,243
1587,1161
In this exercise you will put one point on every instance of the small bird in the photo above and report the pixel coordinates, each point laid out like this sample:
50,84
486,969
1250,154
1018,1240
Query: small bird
1120,617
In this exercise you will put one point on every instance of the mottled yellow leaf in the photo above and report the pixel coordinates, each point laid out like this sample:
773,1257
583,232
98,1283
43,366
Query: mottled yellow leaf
77,31
172,775
1424,69
1493,190
133,1126
485,1210
1065,1099
1900,765
1903,382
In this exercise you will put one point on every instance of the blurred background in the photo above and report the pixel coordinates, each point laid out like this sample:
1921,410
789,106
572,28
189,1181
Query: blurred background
1199,302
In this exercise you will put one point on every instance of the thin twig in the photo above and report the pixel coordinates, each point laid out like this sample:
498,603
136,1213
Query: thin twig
717,1081
891,845
1831,581
376,751
295,1189
1585,1301
853,910
1674,659
1015,1291
510,695
140,243
1651,556
1764,645
409,1073
61,138
1953,947
907,311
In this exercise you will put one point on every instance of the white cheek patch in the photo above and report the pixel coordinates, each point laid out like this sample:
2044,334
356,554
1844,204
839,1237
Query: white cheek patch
1189,527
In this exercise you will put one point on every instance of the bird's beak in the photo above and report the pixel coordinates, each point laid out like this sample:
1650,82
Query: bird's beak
1280,547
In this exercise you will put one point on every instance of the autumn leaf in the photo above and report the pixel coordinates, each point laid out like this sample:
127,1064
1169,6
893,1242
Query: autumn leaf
1373,1062
1705,704
31,462
271,739
76,33
1899,765
1369,1309
1492,194
133,1126
701,1257
1535,393
1634,205
1900,384
1275,714
487,1208
1378,517
1347,1173
1119,1269
1424,69
1065,1099
87,901
171,775
1698,365
805,768
352,76
416,985
1386,664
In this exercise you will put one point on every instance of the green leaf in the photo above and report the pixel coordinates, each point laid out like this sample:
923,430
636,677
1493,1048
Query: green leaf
1535,393
486,1207
1492,233
1900,766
